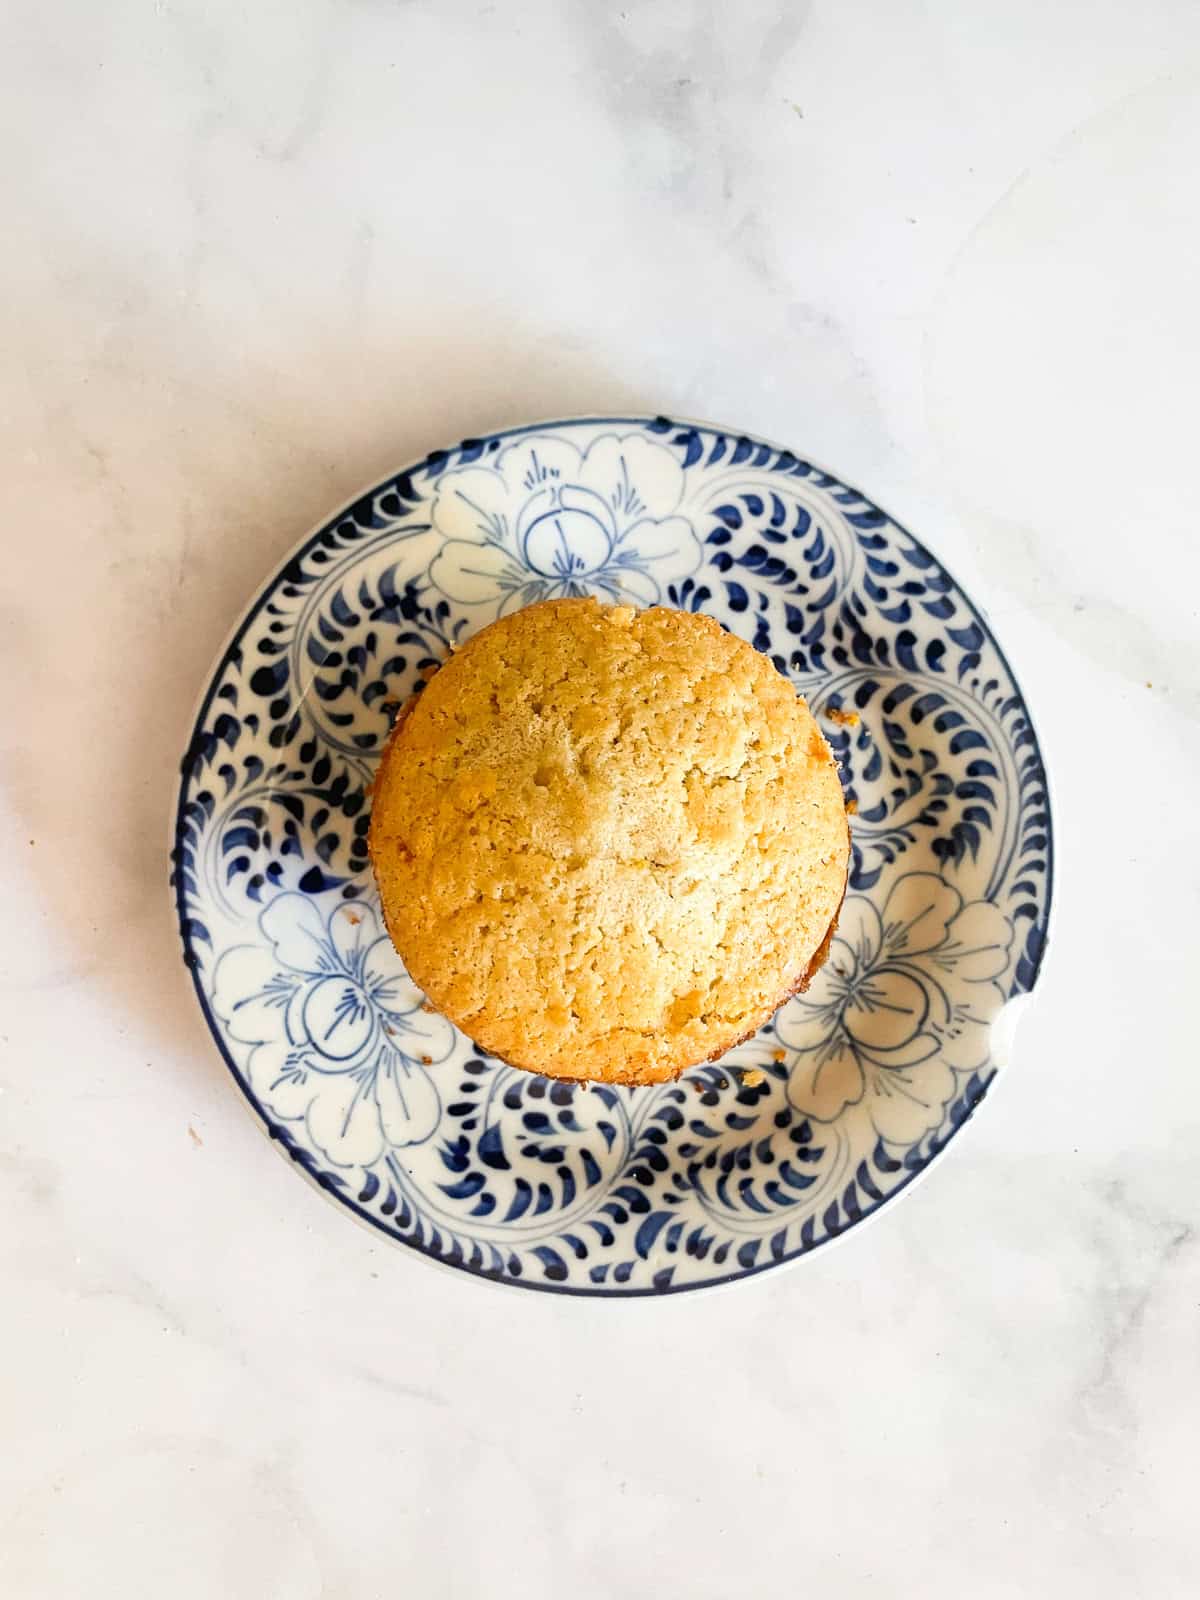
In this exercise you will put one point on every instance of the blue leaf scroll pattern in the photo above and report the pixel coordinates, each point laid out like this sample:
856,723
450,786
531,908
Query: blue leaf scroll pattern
794,1136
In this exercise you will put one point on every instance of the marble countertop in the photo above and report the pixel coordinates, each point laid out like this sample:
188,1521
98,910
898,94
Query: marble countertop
258,256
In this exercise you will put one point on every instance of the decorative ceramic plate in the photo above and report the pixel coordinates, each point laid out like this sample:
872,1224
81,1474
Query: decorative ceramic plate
792,1138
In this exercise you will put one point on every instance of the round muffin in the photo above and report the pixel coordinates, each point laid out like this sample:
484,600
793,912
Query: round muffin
609,842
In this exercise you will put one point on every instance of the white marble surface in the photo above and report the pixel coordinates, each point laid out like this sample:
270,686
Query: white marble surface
255,256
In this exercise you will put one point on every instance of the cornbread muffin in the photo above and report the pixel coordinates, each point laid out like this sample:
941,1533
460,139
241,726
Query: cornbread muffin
609,843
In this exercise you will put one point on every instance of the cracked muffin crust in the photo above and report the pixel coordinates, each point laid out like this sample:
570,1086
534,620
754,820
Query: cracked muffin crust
609,843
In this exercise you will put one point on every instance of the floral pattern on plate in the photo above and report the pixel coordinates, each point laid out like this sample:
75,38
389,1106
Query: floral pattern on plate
549,521
901,1010
795,1136
339,1034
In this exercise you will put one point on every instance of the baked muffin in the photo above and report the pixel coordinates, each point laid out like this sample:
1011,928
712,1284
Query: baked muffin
609,842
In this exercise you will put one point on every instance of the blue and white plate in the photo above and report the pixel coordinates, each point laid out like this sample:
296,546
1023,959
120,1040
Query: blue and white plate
794,1137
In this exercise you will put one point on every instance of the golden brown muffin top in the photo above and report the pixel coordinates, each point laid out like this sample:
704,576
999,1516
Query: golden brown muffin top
609,842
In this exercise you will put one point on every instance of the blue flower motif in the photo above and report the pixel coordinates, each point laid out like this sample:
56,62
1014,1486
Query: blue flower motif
905,1000
547,521
341,1039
